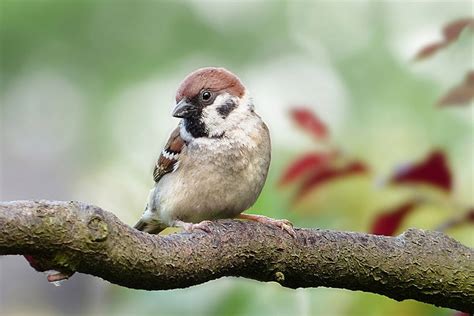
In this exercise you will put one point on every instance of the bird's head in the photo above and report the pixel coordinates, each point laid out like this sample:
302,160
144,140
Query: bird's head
211,101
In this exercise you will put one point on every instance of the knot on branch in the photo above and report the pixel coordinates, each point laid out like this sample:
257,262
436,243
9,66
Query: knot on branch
279,277
98,228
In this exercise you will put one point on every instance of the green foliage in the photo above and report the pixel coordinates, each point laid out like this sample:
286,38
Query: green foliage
104,48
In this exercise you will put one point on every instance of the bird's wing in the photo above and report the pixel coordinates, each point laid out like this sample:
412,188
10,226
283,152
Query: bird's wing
169,157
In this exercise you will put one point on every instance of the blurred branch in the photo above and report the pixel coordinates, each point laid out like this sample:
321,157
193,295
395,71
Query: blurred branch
70,236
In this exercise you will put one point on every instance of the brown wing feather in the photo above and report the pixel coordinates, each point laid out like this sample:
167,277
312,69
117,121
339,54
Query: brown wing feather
169,156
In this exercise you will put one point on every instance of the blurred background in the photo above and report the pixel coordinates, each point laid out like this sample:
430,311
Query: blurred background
87,88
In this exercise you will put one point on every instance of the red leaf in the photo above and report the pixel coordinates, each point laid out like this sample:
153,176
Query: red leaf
470,216
305,165
330,173
388,221
306,119
450,33
429,50
433,171
461,94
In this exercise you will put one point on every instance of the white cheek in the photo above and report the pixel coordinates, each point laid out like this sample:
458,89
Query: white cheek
216,124
211,118
246,101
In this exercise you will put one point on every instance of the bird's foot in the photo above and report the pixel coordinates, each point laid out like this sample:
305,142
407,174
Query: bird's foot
191,227
44,264
58,276
283,224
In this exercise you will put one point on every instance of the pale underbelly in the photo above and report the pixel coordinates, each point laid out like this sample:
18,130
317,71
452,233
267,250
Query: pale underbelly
205,199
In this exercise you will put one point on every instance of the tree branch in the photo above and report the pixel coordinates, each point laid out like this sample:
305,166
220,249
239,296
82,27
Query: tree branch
70,236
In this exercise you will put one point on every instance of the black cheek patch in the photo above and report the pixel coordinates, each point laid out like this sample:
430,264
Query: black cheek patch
225,109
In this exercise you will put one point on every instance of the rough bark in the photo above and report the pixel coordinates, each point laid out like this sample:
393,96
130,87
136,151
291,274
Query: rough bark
422,265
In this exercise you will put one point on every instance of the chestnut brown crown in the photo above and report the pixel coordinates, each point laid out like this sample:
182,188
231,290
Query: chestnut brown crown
211,78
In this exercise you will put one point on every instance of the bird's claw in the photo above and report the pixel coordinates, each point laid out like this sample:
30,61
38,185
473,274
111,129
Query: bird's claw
58,277
285,225
191,227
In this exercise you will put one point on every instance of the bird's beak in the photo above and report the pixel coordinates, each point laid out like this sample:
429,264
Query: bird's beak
183,109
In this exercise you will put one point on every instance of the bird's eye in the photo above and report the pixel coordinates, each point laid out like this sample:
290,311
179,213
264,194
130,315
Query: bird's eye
206,95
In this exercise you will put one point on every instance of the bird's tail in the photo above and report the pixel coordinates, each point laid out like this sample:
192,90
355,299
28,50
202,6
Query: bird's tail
149,222
151,226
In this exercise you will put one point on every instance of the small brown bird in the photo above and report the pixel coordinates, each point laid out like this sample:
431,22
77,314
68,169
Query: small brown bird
215,162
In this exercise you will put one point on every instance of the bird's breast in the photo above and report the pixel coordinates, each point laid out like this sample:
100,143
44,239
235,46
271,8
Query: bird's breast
215,179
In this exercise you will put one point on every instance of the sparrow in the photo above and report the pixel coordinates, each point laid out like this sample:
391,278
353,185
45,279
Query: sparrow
215,162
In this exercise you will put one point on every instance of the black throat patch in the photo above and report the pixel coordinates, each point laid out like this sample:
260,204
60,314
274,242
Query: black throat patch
195,127
194,124
225,109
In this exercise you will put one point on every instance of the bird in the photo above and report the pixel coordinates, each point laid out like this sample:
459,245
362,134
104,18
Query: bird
216,160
